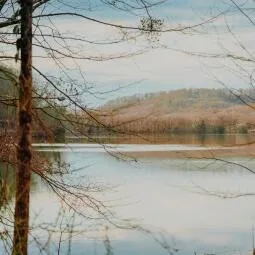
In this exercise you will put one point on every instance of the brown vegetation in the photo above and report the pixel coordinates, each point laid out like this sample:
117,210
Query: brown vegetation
181,111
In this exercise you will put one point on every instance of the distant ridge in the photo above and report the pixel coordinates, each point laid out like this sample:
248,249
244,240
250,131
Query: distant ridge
183,110
180,100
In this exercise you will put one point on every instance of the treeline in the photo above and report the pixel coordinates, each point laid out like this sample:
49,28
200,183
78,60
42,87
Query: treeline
49,117
169,126
200,111
8,97
214,111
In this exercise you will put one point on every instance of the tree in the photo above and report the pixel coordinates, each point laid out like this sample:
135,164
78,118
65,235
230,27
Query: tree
33,22
24,152
23,16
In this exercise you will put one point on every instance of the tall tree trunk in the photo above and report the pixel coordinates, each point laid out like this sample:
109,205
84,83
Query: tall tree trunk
24,153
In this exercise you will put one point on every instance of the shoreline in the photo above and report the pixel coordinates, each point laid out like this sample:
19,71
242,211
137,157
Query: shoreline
156,150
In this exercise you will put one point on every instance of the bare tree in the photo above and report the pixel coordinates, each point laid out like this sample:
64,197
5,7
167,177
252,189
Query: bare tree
24,153
33,23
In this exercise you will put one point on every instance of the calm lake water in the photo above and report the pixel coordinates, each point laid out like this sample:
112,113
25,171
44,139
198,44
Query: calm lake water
181,200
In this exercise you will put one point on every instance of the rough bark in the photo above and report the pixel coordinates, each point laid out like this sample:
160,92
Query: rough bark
24,154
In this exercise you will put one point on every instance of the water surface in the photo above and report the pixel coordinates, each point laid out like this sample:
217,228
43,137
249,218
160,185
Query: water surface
182,200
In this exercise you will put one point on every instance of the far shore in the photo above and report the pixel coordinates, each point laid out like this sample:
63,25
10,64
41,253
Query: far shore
156,150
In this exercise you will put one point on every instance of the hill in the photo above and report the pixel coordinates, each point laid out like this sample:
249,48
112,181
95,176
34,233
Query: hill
176,101
183,111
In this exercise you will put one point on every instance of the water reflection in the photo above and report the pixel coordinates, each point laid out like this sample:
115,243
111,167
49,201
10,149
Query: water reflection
170,194
55,161
7,184
179,196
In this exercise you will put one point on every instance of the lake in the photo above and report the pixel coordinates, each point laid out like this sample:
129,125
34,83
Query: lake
188,205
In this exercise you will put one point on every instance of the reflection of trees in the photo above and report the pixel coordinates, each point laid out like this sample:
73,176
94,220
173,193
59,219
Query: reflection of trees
7,183
55,160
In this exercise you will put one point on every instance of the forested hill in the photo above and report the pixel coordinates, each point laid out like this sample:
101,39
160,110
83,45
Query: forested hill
185,110
179,101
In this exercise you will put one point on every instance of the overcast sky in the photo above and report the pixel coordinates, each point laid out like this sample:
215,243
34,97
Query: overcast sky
166,64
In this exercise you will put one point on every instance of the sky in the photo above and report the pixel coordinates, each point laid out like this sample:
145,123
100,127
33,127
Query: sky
167,62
